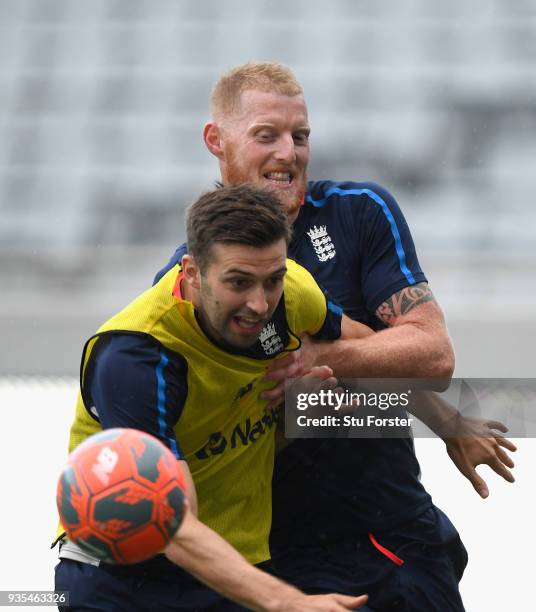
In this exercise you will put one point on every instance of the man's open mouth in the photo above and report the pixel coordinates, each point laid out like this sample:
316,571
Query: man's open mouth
249,324
283,178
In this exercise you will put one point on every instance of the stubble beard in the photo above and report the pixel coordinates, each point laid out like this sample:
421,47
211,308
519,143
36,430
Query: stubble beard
291,202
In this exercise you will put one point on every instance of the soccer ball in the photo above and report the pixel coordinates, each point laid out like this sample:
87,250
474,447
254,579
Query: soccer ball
120,496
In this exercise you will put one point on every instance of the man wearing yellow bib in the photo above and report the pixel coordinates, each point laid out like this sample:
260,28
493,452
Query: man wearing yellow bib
185,361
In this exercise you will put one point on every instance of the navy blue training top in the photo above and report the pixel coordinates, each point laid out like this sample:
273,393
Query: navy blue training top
354,240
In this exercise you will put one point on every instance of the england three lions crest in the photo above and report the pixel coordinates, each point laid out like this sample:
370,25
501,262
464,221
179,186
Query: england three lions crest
270,340
321,241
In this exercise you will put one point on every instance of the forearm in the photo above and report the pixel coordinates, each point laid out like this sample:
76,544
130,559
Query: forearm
416,345
435,412
207,556
404,351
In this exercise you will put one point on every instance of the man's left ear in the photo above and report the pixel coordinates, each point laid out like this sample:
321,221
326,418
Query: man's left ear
190,269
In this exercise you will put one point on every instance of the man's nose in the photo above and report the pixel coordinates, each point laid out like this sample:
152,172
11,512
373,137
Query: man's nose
257,302
286,150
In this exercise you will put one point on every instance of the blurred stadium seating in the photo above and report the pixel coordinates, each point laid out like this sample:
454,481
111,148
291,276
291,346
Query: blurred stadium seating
101,108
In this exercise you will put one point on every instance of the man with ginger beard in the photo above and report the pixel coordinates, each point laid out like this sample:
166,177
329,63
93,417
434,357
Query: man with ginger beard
349,515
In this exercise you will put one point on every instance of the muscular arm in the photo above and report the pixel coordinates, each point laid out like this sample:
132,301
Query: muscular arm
413,315
416,343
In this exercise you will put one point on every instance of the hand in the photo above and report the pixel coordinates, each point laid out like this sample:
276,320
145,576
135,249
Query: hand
325,603
319,378
475,443
294,365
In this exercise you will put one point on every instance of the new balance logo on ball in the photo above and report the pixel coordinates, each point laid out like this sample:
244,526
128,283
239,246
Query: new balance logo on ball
106,462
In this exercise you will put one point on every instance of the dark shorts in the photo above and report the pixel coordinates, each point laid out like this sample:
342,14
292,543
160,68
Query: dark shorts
157,585
434,560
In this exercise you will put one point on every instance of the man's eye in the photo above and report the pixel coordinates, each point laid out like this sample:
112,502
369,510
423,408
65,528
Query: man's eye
301,138
265,136
238,283
276,281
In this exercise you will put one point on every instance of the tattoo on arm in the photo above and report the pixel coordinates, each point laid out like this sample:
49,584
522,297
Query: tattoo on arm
402,302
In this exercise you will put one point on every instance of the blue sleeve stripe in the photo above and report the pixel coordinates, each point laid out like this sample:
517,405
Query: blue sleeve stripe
316,203
335,308
394,229
161,402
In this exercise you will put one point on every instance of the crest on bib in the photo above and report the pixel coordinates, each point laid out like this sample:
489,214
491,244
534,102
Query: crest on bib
270,339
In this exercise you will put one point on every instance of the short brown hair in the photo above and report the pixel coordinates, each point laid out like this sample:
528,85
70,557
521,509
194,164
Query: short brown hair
238,214
261,76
